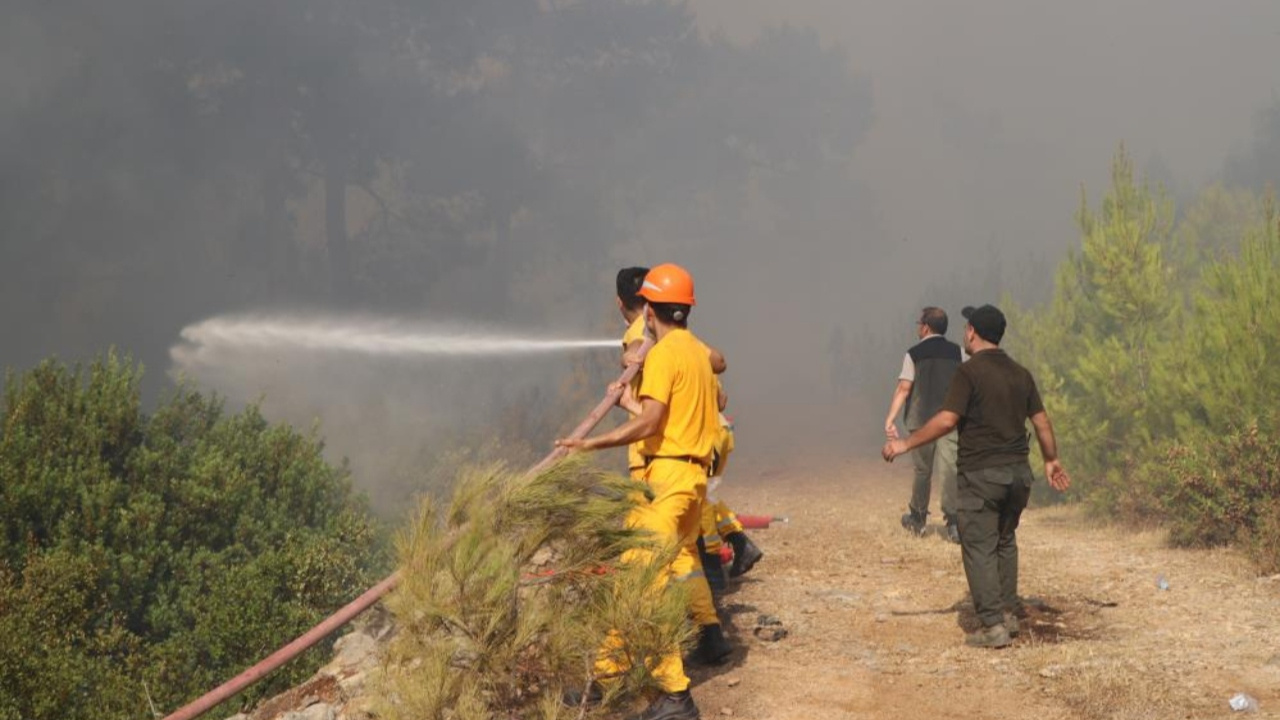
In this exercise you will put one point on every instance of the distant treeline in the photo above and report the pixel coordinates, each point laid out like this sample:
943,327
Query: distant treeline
491,158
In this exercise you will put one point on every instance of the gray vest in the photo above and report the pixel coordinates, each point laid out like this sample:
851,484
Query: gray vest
935,360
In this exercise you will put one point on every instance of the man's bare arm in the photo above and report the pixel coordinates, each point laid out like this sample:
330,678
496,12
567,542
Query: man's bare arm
645,424
941,424
1053,470
900,394
718,363
631,353
1044,435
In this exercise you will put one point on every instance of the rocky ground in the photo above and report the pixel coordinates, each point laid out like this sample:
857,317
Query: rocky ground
874,620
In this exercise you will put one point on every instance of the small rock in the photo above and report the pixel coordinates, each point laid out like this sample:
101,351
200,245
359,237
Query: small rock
726,711
1050,671
771,633
353,684
808,611
733,682
352,650
543,556
881,617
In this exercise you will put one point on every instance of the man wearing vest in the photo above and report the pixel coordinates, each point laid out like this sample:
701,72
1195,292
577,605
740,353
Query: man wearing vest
990,400
677,416
922,386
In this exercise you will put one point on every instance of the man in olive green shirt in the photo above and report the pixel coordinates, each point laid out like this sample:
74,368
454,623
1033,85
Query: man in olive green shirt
990,399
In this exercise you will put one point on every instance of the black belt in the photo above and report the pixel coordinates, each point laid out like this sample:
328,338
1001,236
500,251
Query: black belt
692,459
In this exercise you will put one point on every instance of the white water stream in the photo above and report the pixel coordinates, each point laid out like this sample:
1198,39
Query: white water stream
205,343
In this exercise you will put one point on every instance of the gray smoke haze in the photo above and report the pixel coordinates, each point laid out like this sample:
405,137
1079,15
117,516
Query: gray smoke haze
824,167
990,114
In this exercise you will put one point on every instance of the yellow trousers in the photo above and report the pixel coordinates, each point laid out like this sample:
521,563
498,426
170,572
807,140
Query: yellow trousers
687,567
673,516
718,523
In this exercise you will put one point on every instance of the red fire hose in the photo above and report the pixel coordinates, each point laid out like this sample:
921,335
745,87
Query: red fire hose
348,612
758,522
273,661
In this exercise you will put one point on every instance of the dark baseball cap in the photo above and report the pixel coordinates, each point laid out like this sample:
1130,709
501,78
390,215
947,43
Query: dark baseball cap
987,321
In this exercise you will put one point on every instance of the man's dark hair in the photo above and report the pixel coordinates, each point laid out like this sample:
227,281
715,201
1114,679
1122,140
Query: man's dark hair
630,279
935,318
671,313
987,321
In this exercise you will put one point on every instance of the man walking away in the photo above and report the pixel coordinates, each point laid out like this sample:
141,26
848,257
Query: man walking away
927,369
990,399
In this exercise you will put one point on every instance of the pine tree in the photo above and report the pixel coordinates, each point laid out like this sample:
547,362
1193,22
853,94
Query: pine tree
1098,349
1233,333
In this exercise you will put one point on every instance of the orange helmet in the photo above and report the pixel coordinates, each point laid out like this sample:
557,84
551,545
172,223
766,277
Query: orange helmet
668,283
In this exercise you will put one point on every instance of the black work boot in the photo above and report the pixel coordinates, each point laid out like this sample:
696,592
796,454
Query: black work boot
745,554
670,706
993,636
953,530
713,568
914,523
713,648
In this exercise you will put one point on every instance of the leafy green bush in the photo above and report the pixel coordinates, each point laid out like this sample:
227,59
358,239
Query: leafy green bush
147,558
1224,490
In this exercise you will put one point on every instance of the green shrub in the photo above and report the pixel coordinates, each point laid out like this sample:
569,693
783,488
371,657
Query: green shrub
1225,489
148,558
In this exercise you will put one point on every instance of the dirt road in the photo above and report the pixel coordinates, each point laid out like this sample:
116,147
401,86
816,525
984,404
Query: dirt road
875,616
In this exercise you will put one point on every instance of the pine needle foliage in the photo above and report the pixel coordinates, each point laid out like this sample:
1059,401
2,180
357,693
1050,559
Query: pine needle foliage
1157,358
509,591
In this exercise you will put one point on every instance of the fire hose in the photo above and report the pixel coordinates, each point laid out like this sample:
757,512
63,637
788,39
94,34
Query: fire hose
367,599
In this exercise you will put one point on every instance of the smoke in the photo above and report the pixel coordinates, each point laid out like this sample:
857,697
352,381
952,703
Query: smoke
824,168
988,118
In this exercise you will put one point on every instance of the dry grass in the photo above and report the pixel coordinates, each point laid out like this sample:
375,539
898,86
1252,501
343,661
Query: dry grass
1098,688
877,618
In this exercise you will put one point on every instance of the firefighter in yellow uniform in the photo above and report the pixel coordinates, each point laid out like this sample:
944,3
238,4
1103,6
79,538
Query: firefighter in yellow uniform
712,646
719,523
676,415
